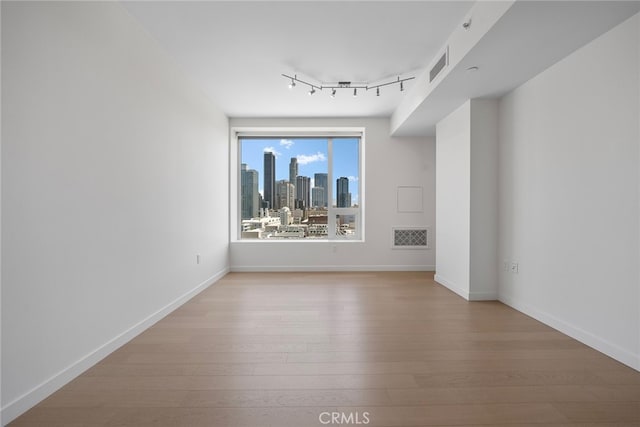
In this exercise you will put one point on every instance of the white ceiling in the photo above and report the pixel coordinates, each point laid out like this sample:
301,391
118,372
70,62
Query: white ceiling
237,51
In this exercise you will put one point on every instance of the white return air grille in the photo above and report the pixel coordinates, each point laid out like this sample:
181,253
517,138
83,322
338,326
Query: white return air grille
410,237
439,66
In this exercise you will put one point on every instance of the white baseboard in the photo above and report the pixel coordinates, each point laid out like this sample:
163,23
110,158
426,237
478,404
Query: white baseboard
602,345
327,268
451,286
31,398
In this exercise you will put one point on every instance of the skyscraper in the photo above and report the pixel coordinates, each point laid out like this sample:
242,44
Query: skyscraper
293,170
285,195
321,180
303,191
318,197
269,179
249,192
343,197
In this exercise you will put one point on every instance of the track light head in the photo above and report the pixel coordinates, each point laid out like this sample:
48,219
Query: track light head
355,92
312,91
292,84
401,86
333,93
377,91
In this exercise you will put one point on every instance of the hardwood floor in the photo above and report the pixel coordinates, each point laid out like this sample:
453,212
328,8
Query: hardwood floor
391,349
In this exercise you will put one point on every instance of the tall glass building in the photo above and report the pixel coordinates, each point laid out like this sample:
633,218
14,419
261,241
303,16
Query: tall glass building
269,179
321,180
343,197
249,192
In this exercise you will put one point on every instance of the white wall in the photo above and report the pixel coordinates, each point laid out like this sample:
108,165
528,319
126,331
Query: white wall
453,199
484,200
466,200
389,163
569,194
114,170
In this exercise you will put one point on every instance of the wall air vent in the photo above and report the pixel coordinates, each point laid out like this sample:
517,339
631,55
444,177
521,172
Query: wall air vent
410,238
439,66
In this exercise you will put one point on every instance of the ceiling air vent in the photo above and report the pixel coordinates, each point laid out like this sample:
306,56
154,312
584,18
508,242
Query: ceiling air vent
442,62
410,237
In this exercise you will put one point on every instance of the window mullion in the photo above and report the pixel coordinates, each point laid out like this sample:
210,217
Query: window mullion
331,216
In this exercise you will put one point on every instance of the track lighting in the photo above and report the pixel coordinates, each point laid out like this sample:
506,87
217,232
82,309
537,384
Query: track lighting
345,85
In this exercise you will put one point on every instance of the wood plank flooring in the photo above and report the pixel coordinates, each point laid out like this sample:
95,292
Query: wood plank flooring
276,349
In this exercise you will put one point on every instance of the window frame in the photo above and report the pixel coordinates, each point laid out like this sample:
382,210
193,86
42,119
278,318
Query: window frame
235,159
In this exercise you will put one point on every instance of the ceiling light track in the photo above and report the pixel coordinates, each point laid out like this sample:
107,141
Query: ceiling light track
345,85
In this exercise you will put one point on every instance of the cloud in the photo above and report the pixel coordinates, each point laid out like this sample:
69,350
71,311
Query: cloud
304,159
271,150
352,178
286,143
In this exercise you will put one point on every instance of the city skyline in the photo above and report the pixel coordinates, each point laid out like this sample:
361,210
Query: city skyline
311,156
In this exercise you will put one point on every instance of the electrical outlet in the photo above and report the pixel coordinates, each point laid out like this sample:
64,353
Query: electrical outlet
514,267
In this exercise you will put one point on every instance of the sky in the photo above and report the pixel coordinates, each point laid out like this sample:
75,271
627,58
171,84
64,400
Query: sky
312,155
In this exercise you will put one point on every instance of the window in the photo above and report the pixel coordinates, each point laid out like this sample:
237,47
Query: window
302,187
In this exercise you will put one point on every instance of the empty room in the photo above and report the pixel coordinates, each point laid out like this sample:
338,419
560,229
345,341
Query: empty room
311,213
